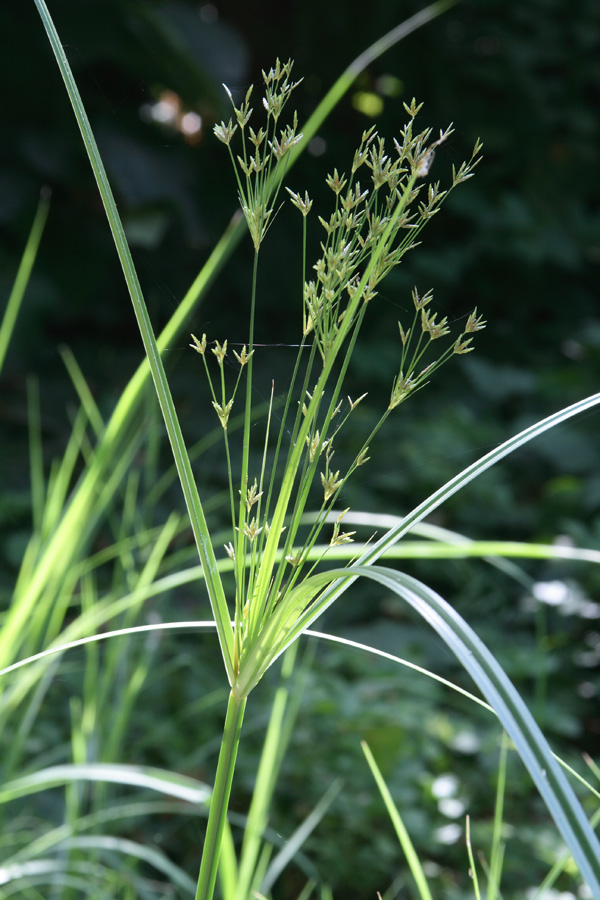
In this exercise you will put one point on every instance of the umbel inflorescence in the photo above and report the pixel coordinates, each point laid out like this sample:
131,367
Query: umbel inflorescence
379,208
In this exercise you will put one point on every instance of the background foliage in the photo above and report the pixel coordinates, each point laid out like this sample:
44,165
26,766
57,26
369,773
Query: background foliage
521,240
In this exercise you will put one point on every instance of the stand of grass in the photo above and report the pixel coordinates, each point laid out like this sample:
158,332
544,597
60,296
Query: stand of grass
273,607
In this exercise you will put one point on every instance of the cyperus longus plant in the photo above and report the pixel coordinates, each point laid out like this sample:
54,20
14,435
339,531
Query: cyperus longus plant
373,223
379,208
371,227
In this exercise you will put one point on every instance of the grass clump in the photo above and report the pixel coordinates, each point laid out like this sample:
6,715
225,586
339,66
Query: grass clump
379,208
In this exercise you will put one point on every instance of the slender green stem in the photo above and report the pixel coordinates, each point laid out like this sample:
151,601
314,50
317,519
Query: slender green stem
241,542
220,797
497,851
276,740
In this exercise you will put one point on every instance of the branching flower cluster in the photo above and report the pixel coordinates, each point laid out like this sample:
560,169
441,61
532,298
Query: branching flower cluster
415,346
379,210
263,151
373,224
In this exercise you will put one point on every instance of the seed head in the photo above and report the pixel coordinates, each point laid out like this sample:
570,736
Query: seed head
251,530
303,205
331,483
244,356
403,386
253,495
225,132
462,345
223,410
430,326
220,351
474,323
336,182
341,537
199,346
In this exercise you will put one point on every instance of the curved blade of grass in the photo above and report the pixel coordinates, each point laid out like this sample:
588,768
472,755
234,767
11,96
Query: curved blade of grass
15,299
115,814
467,549
473,471
147,777
407,846
500,693
53,872
110,845
444,542
399,660
544,890
170,626
71,638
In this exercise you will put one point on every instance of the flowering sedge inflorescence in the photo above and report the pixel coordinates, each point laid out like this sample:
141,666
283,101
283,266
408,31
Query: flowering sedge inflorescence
379,210
263,151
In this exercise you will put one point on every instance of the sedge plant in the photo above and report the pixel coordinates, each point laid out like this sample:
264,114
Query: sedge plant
371,227
379,207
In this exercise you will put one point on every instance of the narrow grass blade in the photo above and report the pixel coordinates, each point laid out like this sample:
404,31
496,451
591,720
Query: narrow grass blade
561,864
84,393
36,456
228,865
477,468
472,864
48,568
407,846
497,851
114,814
296,840
468,549
15,299
146,777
